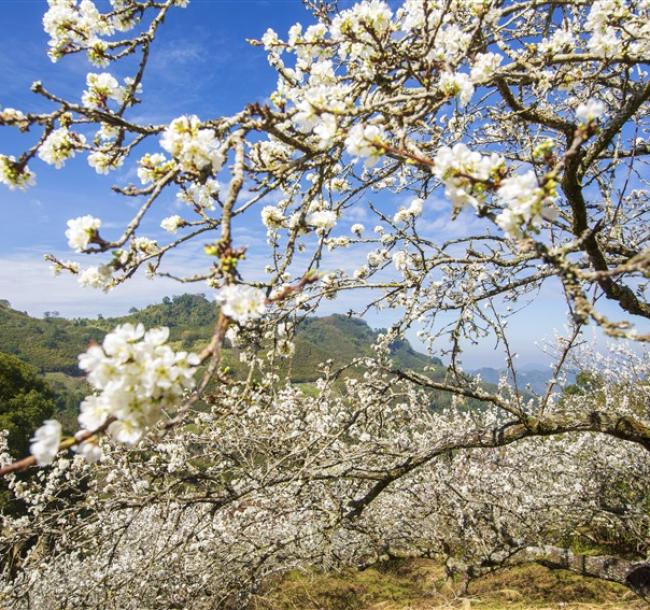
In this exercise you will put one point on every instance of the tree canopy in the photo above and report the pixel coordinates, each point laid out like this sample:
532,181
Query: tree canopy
25,401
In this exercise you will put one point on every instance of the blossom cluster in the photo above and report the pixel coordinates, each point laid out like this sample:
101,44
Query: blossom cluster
103,161
102,88
68,23
82,231
321,219
13,175
171,224
465,173
59,146
200,196
525,203
152,167
196,148
242,304
97,276
136,377
45,443
405,214
366,142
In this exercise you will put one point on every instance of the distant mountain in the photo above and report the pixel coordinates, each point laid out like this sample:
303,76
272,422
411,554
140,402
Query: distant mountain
534,378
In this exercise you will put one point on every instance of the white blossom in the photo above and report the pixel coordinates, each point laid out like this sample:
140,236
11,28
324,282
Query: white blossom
68,23
366,142
321,219
100,277
461,169
201,195
457,84
401,260
13,176
272,217
592,110
102,88
60,145
406,214
103,161
484,67
562,40
194,147
135,377
171,224
153,167
145,245
243,304
374,15
81,231
525,203
45,443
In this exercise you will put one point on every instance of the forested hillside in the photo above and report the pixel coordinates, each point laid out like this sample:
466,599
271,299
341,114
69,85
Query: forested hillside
52,344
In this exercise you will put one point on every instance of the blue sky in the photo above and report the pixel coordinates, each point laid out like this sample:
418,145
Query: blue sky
200,64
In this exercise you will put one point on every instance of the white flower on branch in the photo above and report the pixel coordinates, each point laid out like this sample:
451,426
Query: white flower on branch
562,40
366,142
525,201
153,167
104,161
484,67
45,443
406,214
591,110
136,377
102,88
200,195
462,171
194,147
321,219
363,18
81,231
272,217
401,260
100,277
59,146
171,224
15,176
242,304
68,23
457,84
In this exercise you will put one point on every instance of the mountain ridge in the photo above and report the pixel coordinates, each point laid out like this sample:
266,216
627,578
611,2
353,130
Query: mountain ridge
53,343
530,376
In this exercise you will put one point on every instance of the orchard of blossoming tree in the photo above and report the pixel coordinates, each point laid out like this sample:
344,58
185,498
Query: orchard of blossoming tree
187,488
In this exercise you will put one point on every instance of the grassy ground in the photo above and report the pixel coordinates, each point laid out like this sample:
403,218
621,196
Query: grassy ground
421,585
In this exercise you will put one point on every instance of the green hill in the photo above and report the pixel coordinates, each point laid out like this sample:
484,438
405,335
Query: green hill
49,344
52,344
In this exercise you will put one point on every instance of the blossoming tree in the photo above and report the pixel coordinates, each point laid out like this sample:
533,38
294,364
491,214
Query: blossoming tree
190,487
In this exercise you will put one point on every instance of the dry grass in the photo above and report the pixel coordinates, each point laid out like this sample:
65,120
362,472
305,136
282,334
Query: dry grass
421,585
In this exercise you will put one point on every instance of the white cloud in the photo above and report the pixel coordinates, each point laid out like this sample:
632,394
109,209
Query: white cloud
356,213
